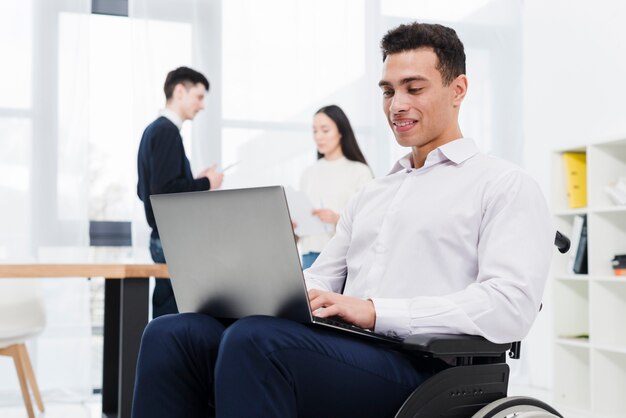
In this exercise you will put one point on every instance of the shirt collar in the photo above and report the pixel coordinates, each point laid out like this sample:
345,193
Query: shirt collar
173,117
455,151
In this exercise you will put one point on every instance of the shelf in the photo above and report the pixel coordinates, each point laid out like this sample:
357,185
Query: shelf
610,349
571,313
582,148
572,376
572,277
609,381
609,279
607,313
573,342
571,212
586,210
615,141
605,164
590,373
608,209
607,237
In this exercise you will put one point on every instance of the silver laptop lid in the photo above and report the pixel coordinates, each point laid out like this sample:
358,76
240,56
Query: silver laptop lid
232,253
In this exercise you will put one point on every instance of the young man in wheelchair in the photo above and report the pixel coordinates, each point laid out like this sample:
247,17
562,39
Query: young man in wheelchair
451,241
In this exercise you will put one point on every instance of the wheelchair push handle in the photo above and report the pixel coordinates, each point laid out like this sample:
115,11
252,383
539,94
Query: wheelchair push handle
561,242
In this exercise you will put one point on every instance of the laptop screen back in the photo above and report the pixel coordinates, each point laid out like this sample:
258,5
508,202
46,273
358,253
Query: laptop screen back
232,253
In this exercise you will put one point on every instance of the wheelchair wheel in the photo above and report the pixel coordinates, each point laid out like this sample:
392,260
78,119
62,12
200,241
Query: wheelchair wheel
518,407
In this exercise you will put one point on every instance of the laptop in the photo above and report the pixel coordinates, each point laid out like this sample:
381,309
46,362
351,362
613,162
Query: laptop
233,253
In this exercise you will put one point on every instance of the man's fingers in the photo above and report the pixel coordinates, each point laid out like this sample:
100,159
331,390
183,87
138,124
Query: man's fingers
321,299
332,310
319,302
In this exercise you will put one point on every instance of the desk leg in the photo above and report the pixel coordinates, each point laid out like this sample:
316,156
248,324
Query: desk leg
125,317
111,353
134,317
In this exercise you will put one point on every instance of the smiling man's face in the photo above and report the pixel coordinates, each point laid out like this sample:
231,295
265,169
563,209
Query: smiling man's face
420,109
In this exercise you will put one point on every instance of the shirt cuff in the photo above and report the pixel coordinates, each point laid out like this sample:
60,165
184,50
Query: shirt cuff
393,316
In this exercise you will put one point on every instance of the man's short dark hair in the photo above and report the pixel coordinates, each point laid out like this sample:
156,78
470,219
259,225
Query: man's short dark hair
183,75
443,40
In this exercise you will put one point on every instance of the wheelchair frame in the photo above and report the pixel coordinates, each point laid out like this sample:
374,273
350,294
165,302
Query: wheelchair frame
477,385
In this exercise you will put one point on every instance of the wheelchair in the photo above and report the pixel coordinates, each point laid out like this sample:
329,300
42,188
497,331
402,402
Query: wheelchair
477,385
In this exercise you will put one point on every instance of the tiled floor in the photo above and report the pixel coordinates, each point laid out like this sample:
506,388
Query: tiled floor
91,407
547,397
88,409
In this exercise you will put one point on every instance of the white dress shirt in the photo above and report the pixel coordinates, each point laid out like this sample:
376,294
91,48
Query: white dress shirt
461,245
330,184
173,117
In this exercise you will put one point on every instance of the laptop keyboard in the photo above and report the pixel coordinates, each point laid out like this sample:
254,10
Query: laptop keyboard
337,321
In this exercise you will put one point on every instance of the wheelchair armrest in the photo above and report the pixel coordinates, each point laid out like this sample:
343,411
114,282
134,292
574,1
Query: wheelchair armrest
451,345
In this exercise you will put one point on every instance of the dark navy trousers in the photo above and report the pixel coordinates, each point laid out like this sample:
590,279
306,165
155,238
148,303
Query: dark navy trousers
192,365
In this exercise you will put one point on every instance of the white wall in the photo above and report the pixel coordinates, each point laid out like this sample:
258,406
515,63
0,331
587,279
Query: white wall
574,68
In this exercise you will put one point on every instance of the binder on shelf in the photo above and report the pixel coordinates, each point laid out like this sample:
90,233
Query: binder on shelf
577,229
580,261
575,164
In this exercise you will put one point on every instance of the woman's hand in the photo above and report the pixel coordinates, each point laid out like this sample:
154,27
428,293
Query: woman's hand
359,312
294,226
327,216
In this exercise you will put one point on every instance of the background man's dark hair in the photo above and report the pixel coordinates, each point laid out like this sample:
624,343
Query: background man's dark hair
443,40
184,75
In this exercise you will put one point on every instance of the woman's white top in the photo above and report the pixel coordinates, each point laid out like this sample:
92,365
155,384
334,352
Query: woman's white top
330,185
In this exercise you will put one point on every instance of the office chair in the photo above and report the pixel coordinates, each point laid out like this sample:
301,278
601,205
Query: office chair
22,317
477,385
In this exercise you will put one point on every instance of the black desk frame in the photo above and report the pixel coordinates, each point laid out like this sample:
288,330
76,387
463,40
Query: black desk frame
125,317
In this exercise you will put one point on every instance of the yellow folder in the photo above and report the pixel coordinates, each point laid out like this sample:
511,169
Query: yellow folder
575,164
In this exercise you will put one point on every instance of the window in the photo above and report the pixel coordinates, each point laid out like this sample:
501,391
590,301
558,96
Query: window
121,104
16,125
311,54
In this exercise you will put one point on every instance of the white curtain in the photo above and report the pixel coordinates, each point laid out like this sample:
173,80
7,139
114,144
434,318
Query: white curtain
43,160
279,68
164,35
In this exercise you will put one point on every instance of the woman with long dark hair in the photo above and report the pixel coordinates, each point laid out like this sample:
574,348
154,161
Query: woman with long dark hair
340,171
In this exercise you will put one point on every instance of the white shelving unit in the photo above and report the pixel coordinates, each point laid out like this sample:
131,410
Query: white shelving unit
590,309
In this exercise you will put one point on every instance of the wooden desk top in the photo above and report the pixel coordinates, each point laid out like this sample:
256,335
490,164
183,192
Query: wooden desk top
110,271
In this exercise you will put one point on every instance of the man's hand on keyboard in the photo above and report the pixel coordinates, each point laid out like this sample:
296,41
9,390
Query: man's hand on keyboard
356,311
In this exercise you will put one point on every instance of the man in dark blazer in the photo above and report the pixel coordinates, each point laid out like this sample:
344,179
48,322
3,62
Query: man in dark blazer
163,166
